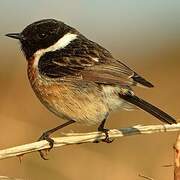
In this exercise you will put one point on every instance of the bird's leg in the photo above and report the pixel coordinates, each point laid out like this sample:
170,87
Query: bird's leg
46,134
104,130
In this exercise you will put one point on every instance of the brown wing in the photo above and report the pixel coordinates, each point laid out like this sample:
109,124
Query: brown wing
111,72
85,60
115,72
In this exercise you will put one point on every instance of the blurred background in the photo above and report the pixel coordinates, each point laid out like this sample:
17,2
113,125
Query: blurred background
143,34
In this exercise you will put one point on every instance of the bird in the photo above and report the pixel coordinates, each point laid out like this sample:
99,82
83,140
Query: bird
77,79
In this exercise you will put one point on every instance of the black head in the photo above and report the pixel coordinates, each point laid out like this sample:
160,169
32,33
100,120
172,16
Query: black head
40,35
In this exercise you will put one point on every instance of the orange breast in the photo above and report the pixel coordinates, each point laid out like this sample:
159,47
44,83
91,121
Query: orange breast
82,102
31,71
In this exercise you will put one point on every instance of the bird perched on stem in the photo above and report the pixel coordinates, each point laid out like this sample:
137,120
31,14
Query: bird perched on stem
77,79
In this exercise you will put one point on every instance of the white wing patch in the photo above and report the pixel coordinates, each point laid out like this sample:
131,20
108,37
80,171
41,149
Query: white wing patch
95,59
60,44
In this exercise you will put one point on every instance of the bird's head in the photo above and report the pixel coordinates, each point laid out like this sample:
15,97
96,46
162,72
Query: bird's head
42,35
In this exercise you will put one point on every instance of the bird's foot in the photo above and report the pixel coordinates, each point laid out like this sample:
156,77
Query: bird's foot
43,153
107,138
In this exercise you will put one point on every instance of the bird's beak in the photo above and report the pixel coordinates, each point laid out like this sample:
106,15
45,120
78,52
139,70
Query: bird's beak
14,35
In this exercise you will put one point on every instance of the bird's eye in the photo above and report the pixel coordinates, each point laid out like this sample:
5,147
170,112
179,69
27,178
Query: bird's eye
42,35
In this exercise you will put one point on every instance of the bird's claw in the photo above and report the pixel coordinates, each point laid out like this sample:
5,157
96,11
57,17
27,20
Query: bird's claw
43,153
107,138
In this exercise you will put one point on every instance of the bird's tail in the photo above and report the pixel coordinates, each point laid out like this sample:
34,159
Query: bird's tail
164,117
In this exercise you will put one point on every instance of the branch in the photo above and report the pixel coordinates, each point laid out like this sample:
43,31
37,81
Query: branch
78,138
8,178
177,159
145,177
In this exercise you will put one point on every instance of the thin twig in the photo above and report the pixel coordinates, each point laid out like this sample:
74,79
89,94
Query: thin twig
78,138
177,159
8,178
145,177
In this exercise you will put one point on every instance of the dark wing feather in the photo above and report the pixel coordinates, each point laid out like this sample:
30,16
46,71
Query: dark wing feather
76,61
140,80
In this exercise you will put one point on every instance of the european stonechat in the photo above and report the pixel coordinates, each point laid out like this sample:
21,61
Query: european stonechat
77,79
